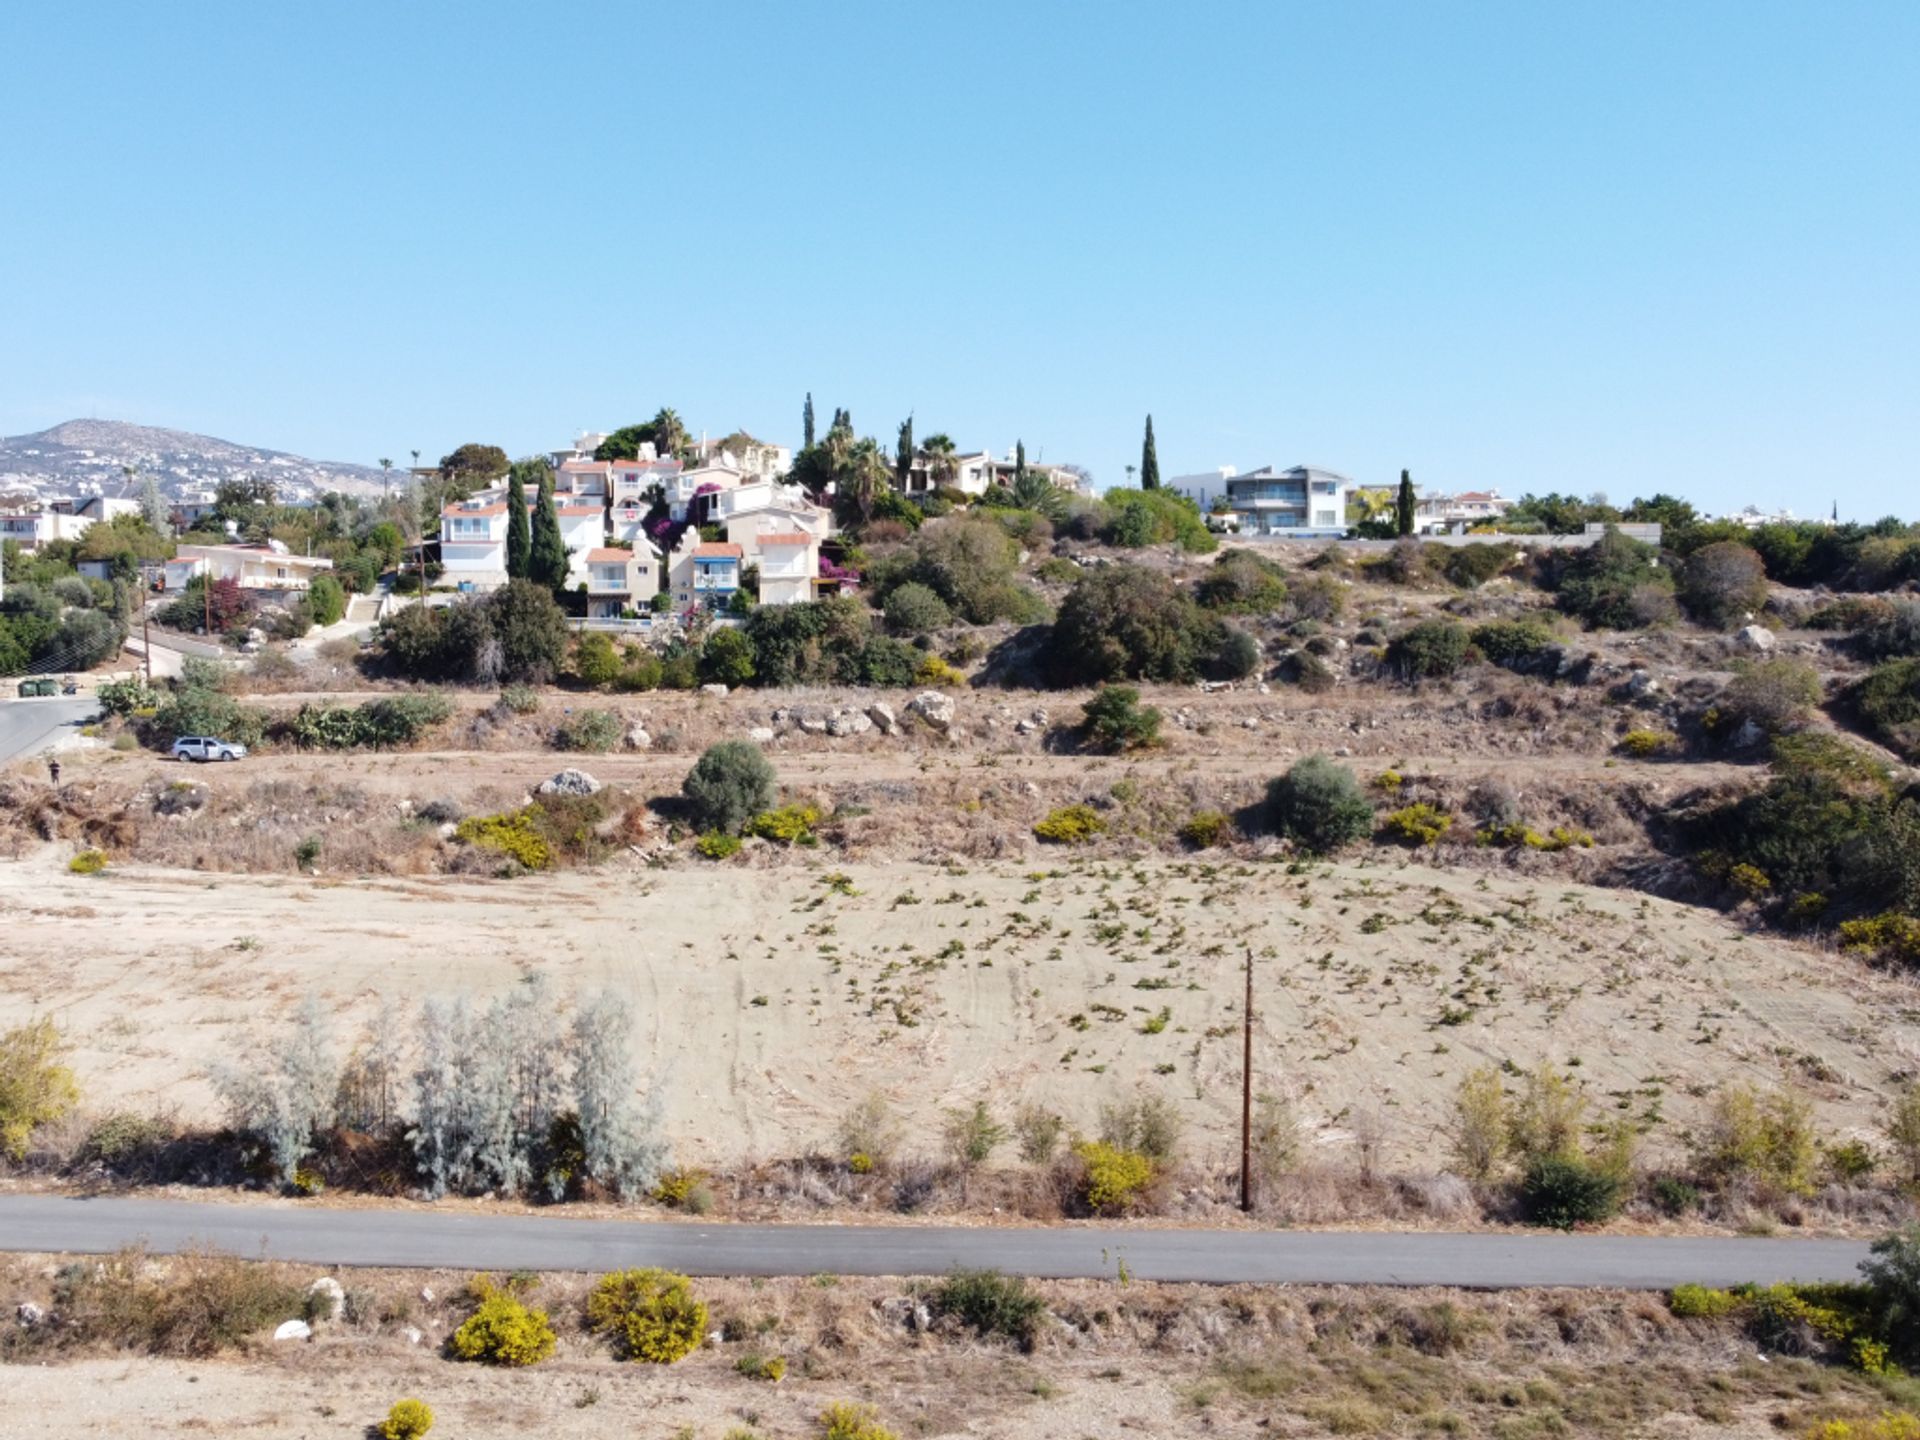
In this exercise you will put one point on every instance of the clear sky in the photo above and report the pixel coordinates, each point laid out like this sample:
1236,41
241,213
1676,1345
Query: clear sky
1615,246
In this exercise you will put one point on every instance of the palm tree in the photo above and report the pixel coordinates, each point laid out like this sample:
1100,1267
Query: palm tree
941,468
386,473
669,435
861,477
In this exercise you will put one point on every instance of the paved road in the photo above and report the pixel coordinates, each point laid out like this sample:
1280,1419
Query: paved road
29,726
427,1238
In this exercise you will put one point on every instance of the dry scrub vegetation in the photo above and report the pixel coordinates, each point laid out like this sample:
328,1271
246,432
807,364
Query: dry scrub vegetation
972,1355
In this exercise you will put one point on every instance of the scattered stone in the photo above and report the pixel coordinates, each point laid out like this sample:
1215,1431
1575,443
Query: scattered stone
719,692
761,734
570,782
426,1294
639,739
294,1330
329,1299
811,724
1756,639
29,1315
448,829
1641,683
936,709
848,722
881,714
1748,735
413,1335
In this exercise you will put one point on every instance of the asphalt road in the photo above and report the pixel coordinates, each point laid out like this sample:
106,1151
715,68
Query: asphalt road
30,726
436,1239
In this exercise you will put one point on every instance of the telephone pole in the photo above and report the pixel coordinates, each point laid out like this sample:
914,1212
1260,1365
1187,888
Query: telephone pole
1246,1095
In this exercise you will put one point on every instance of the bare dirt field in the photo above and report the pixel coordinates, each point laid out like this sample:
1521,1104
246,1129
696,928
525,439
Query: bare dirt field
769,999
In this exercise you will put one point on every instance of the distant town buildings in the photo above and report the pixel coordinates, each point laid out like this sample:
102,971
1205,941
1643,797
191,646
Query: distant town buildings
1434,513
31,522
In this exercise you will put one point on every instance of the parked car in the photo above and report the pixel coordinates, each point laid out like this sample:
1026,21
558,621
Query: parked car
205,747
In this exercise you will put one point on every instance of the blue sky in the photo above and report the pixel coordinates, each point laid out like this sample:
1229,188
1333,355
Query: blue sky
1623,247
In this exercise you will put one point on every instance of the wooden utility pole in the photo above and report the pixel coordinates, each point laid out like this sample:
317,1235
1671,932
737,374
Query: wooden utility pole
1246,1096
146,635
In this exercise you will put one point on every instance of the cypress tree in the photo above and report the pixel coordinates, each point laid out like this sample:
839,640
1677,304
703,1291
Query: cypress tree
547,558
1403,505
1019,461
519,524
806,421
903,455
1149,461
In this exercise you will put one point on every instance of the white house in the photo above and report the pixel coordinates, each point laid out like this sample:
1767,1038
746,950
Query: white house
1205,488
1469,507
254,567
586,479
32,522
583,446
473,537
789,563
758,459
972,473
1302,500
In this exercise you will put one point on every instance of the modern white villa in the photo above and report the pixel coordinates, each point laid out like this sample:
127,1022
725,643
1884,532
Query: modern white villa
1300,501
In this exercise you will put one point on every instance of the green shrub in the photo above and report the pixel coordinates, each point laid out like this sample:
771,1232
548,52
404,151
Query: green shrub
408,1419
991,1304
1071,825
771,1368
1645,744
1243,583
932,670
1139,518
124,697
789,825
327,602
1763,1139
1887,702
519,699
307,853
1697,1302
652,1315
1235,654
1116,721
1723,584
1616,583
1892,1275
841,1421
914,609
389,721
1887,936
513,834
1318,805
1113,1179
592,732
35,1088
1126,622
1471,566
1430,650
1418,824
717,845
1772,694
1562,1192
1520,645
729,784
199,711
1675,1196
1892,635
502,1331
88,862
595,660
1207,829
727,658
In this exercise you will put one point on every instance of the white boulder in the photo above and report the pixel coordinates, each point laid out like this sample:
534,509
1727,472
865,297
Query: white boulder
570,782
934,708
328,1298
1755,639
294,1330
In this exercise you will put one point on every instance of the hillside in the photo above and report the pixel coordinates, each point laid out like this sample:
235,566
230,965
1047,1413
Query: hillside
89,456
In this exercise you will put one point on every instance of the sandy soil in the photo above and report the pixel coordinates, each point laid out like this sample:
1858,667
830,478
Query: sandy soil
767,1000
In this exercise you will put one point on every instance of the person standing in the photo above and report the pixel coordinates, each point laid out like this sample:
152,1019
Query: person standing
53,771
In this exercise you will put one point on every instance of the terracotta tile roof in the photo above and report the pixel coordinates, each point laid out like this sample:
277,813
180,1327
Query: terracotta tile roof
575,512
611,555
586,467
787,537
480,511
717,552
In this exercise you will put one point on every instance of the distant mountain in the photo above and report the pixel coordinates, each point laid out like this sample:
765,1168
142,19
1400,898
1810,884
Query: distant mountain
86,457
